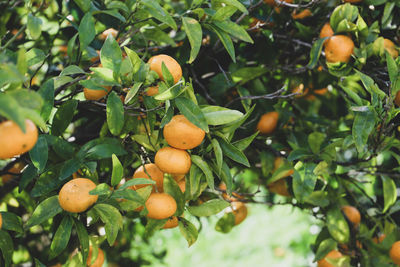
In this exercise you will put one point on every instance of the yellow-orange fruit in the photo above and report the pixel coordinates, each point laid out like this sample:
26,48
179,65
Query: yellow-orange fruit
160,206
171,223
390,47
173,160
74,195
300,91
397,99
92,94
14,142
278,163
182,185
240,211
98,262
16,169
111,31
395,252
155,174
178,177
268,122
181,133
320,91
302,15
152,90
279,187
352,214
326,31
333,254
339,48
171,64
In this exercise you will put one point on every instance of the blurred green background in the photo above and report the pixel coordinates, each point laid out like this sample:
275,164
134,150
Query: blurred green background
278,236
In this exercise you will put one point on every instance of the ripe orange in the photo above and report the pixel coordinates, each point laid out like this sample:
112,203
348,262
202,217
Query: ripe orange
395,252
13,141
379,238
74,195
155,175
171,223
16,169
339,48
182,185
92,94
326,31
171,64
333,254
160,206
152,90
320,91
99,260
390,47
278,163
173,160
181,133
240,211
352,214
279,187
111,31
268,122
302,15
397,99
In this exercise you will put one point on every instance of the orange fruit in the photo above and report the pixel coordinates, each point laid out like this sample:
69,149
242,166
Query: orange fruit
182,185
171,223
394,252
300,90
352,214
333,254
397,99
302,15
160,206
178,177
181,133
74,195
239,209
13,142
326,31
279,187
268,122
390,47
278,163
111,31
98,261
92,94
173,160
16,169
171,64
155,174
320,91
379,238
339,48
152,90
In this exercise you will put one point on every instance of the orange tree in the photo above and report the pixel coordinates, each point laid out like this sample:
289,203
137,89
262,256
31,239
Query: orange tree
120,118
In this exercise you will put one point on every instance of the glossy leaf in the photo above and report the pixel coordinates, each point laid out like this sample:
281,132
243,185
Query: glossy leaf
205,168
47,209
63,117
188,230
233,152
337,225
61,237
111,55
192,112
86,30
39,153
159,13
216,115
389,192
34,26
194,33
208,208
117,171
115,113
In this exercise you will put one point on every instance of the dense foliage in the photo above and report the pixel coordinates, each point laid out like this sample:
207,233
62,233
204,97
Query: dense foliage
290,117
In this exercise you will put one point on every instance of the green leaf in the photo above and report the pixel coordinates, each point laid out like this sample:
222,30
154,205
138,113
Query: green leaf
102,189
234,29
224,13
47,209
11,222
315,141
61,237
172,188
35,117
205,168
34,26
104,151
370,85
233,152
194,33
9,109
388,14
243,75
6,247
231,127
86,30
112,219
63,117
337,225
218,154
27,98
304,180
227,178
27,176
188,230
315,52
83,239
39,153
115,14
134,59
169,93
22,64
167,117
166,75
117,171
236,4
195,175
226,41
389,192
104,73
192,112
153,226
242,144
318,198
71,70
111,55
393,71
132,92
225,223
69,167
208,208
154,8
363,125
35,56
324,248
115,113
216,115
